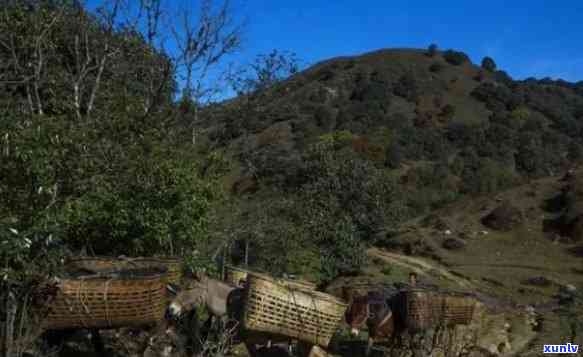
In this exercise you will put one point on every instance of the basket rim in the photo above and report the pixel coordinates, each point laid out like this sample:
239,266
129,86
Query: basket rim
160,273
121,259
313,293
237,269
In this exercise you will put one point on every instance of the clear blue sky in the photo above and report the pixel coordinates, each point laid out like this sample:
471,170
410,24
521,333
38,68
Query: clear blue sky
526,38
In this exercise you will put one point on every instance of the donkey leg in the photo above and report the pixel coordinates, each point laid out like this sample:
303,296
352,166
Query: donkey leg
193,342
369,344
97,342
251,348
206,327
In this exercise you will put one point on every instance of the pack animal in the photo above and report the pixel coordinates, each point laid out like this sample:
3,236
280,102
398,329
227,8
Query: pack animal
374,311
224,302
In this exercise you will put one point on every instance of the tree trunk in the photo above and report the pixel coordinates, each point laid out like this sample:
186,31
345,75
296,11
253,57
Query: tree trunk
246,252
194,120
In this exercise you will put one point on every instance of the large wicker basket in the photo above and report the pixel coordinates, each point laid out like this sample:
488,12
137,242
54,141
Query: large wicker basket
275,308
299,284
234,275
421,309
108,264
458,309
129,298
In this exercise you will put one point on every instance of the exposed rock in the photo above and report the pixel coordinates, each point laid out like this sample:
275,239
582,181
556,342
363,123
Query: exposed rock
436,222
453,244
244,185
489,334
538,281
504,218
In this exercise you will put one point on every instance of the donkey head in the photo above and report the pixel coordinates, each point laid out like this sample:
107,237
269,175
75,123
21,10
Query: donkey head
188,299
357,314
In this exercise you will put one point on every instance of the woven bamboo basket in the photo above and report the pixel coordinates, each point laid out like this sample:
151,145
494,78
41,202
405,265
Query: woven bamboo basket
362,288
458,310
233,276
172,264
421,309
130,298
108,264
279,310
298,284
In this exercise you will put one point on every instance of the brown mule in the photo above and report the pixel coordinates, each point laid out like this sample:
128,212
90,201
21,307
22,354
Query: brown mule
373,310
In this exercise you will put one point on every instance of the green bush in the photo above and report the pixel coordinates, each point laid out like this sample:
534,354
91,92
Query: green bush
492,177
432,50
407,87
488,64
127,192
455,58
448,112
394,156
436,67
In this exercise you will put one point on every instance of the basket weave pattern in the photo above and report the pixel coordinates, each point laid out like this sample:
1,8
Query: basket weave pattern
234,275
100,264
458,310
108,302
425,309
421,309
274,308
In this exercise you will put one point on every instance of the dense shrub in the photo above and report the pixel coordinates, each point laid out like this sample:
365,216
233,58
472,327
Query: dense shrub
520,114
407,87
432,50
393,155
455,58
125,193
503,78
488,64
324,116
575,152
436,67
371,91
492,177
447,112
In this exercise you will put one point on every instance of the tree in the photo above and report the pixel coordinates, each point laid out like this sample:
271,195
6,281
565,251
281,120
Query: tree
264,72
455,58
432,50
394,155
436,67
202,45
488,64
81,62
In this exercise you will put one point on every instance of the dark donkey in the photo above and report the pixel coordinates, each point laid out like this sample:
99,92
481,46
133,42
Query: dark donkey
374,311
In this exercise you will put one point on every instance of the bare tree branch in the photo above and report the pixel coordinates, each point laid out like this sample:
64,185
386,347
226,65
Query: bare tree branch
201,46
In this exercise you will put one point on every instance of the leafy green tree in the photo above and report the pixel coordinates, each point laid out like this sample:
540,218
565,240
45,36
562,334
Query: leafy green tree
575,151
488,64
432,50
394,155
436,67
455,58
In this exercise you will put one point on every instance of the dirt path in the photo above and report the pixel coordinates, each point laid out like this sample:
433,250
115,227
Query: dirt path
420,266
517,266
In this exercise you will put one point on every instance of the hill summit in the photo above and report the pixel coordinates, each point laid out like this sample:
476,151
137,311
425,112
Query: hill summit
378,139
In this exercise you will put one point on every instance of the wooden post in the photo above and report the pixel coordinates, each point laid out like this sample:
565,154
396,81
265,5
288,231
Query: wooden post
224,261
246,252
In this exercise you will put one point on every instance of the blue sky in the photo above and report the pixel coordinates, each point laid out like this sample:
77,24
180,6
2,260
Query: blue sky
526,38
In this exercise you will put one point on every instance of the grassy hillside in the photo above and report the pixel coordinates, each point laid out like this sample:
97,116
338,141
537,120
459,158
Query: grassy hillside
384,138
